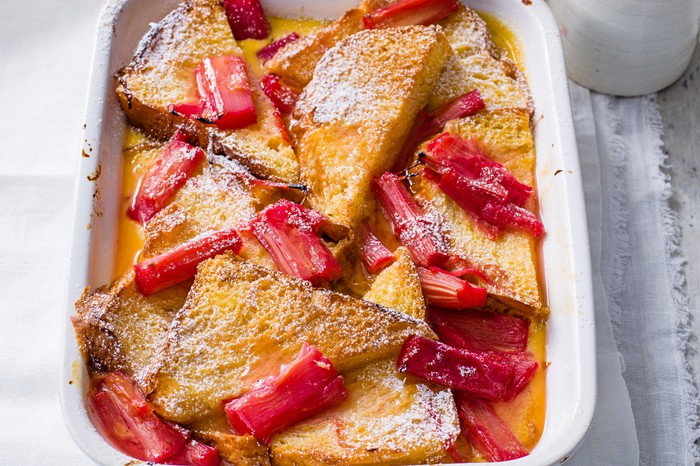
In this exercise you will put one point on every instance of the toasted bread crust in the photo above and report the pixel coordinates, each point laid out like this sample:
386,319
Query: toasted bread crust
118,328
238,450
388,418
162,73
398,287
468,34
241,322
355,114
296,62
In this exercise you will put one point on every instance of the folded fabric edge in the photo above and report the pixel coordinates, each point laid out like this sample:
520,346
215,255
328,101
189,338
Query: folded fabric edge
672,236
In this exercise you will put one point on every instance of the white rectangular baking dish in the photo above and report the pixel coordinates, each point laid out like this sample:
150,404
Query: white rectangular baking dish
571,377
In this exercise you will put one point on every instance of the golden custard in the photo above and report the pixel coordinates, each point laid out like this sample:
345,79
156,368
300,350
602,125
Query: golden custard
526,413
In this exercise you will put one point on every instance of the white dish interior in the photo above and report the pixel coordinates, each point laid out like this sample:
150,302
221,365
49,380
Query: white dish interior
571,376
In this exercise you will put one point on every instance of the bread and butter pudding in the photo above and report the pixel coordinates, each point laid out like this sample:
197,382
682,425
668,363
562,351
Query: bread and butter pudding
329,246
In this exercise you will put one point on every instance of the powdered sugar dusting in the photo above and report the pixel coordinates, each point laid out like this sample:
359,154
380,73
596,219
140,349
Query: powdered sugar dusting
241,322
388,417
364,79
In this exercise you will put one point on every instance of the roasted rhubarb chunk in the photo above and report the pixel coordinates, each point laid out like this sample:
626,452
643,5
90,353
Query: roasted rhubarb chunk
122,416
307,386
269,51
374,255
247,19
225,95
480,186
167,175
180,264
290,234
488,375
464,105
196,454
524,369
411,225
410,12
443,289
486,431
223,82
476,330
515,370
282,96
428,124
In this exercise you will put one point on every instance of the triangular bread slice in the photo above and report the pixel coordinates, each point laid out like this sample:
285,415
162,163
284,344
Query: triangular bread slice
388,418
398,287
356,112
510,261
242,322
162,73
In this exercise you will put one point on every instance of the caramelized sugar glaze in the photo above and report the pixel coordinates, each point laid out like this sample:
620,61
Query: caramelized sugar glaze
525,414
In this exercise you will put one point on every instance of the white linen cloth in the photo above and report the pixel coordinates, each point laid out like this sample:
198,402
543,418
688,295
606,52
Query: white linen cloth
45,51
637,262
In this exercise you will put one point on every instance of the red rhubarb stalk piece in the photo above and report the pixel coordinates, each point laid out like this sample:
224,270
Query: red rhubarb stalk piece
451,367
307,386
484,331
424,126
512,217
464,105
486,431
513,370
524,369
195,110
488,375
374,255
195,453
440,288
482,187
410,12
429,124
246,19
290,234
224,87
282,96
180,263
122,416
459,267
171,169
415,230
271,49
469,160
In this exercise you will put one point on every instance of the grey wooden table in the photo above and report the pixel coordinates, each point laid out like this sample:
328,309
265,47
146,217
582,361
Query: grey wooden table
680,109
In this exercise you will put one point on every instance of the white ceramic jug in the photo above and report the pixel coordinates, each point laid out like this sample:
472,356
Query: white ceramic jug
627,47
